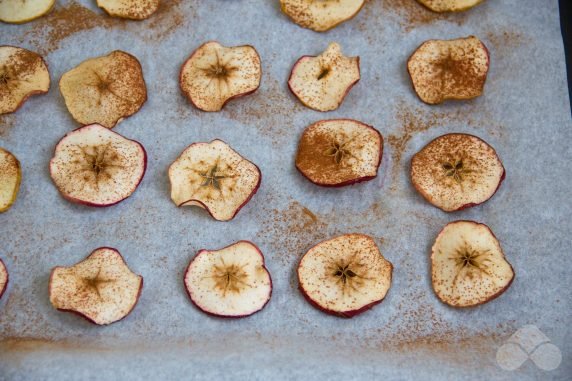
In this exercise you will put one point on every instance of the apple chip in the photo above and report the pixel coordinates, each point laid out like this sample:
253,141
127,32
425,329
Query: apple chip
104,90
339,152
22,74
457,171
101,288
129,9
231,282
450,5
449,69
322,82
214,177
3,278
22,11
345,275
10,177
215,74
321,15
95,166
468,266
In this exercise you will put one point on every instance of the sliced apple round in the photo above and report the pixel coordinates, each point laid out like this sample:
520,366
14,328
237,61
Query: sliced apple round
231,282
104,90
457,171
23,73
4,278
450,5
215,74
468,266
101,288
449,69
321,15
214,177
95,166
129,9
345,275
339,152
321,83
10,178
22,11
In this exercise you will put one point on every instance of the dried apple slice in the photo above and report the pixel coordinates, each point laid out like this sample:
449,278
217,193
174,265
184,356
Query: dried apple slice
457,171
22,11
450,5
129,9
22,74
104,90
339,152
345,275
101,288
231,282
4,278
449,69
214,177
321,15
95,166
10,177
322,82
468,266
215,74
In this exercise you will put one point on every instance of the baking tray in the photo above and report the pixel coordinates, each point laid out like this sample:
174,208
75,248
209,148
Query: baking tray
524,114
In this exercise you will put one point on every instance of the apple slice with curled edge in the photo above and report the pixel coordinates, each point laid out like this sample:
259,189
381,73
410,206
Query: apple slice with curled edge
457,171
22,11
214,177
101,288
450,5
468,266
449,69
232,282
339,152
215,74
4,278
321,15
129,9
95,166
104,90
23,73
10,178
345,275
321,83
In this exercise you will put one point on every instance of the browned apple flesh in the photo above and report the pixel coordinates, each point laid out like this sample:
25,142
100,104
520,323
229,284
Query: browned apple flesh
345,275
95,166
321,15
231,282
339,152
450,5
3,278
21,11
129,9
322,82
22,74
214,177
468,266
10,178
215,74
101,288
449,69
104,90
457,171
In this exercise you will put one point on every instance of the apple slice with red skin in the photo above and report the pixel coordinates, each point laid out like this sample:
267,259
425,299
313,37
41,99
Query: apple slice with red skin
4,278
104,90
321,15
101,288
339,152
345,275
10,178
232,282
23,73
468,266
22,11
214,74
214,177
129,9
321,83
95,166
450,5
449,69
457,171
